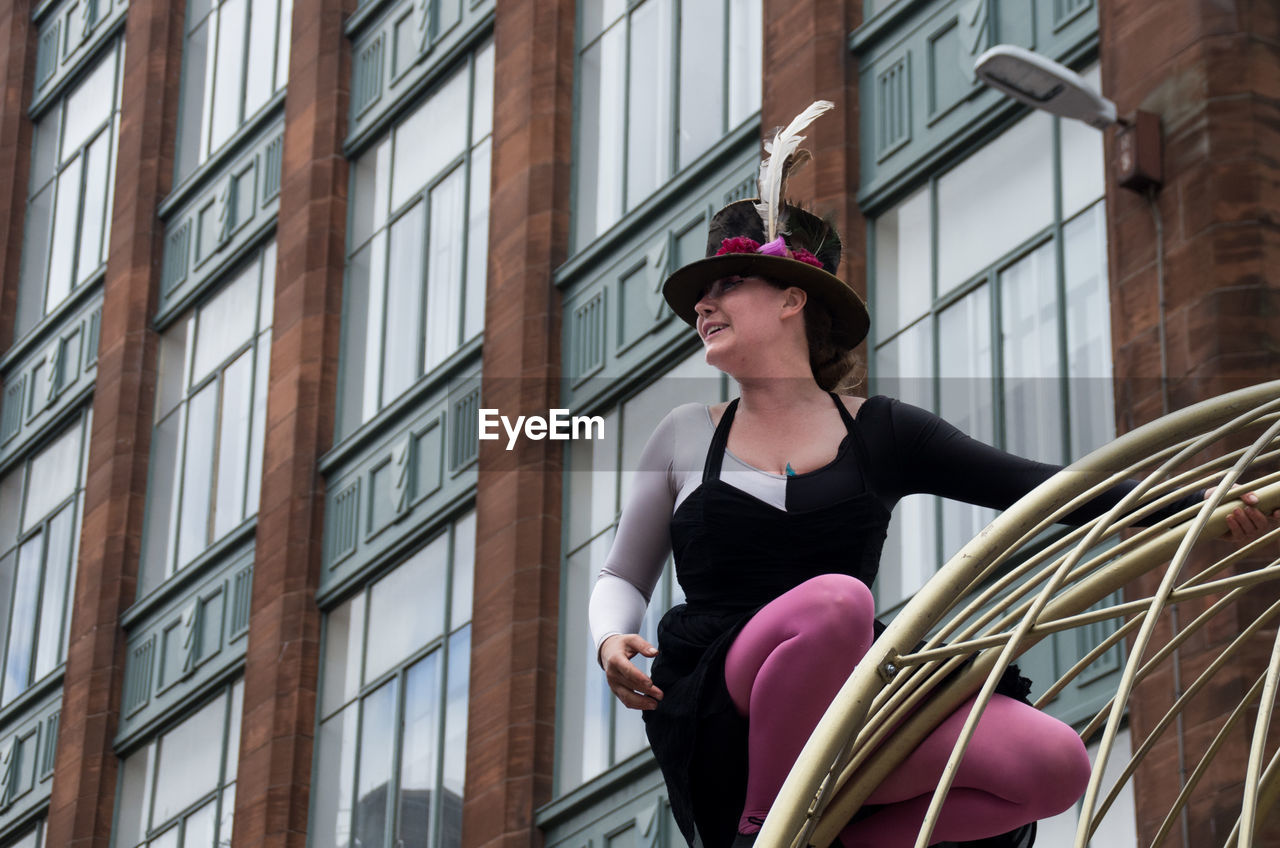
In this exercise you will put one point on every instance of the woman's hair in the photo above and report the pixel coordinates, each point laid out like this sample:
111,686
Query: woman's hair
835,368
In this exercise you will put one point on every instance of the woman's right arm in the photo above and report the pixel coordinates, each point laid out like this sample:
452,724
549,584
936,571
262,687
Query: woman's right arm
634,565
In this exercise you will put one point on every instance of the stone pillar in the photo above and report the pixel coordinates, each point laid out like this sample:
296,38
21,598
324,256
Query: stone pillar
1211,71
807,58
283,654
17,76
511,728
84,783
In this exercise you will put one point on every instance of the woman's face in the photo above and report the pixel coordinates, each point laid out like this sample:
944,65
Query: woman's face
738,319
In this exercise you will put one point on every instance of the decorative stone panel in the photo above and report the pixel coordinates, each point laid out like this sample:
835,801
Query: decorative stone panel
70,34
28,742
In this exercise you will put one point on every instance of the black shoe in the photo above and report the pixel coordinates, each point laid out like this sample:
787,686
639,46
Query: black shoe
747,840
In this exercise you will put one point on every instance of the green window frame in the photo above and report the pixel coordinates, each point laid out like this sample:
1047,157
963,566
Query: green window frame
651,101
391,739
41,501
597,733
235,60
211,400
417,242
73,164
179,790
1016,295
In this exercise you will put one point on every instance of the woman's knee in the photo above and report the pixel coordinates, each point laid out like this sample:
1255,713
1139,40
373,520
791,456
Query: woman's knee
836,604
1061,765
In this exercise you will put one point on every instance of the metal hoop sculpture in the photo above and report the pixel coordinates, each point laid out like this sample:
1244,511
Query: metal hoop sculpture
993,600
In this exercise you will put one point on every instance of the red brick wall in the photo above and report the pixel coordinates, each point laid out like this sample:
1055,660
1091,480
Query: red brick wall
1212,73
84,780
511,731
17,76
283,654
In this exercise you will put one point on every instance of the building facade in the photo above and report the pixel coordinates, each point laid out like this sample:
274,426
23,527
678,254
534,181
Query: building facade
265,262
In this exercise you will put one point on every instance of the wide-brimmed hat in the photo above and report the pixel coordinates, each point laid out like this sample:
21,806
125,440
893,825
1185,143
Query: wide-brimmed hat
766,237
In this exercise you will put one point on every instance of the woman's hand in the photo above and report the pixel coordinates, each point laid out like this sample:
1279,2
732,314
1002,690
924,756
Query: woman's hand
1247,523
632,686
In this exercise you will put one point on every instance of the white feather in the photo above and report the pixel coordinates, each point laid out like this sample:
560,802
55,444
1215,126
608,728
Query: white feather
772,169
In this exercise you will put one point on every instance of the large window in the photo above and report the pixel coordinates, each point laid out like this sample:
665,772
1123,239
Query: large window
73,170
211,404
33,838
597,732
40,506
391,751
235,57
659,84
179,791
1002,327
417,242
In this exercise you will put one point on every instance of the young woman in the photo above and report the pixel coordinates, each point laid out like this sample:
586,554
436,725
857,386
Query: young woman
776,506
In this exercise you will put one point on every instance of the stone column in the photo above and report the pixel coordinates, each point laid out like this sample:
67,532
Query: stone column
17,77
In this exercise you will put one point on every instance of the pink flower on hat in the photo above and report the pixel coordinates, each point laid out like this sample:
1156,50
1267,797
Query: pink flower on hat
738,244
802,255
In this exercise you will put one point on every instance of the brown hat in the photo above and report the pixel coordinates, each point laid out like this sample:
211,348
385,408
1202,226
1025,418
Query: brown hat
806,257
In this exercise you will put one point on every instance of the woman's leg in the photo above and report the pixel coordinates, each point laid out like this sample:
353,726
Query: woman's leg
1021,766
786,666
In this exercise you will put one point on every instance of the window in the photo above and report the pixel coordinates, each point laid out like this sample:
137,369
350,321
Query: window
599,473
73,155
40,506
1004,326
33,838
417,242
660,83
180,789
393,704
211,405
235,58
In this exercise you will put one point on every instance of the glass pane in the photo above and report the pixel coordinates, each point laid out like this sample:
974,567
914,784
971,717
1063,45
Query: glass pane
903,366
161,503
89,106
190,756
903,288
331,798
441,119
995,200
585,751
233,731
965,394
1083,181
44,148
193,121
598,152
233,444
745,22
1029,312
444,269
227,820
35,259
228,79
168,839
406,608
343,638
403,330
355,317
702,82
258,431
262,55
592,483
66,215
22,623
8,567
284,39
482,94
1088,332
419,755
53,601
464,559
172,366
200,827
227,322
53,475
371,179
197,473
910,549
377,739
477,240
649,101
267,289
455,739
93,228
596,16
374,322
130,822
10,507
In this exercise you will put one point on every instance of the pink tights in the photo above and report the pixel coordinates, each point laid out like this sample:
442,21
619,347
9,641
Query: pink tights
1022,765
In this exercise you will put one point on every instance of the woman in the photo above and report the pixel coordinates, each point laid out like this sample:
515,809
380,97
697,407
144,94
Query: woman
776,505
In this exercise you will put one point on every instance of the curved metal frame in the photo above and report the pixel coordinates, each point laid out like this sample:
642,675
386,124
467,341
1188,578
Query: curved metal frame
989,611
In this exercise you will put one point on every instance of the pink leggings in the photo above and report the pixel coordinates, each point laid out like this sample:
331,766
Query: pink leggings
1022,765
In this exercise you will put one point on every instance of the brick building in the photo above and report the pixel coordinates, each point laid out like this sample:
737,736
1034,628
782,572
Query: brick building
262,264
